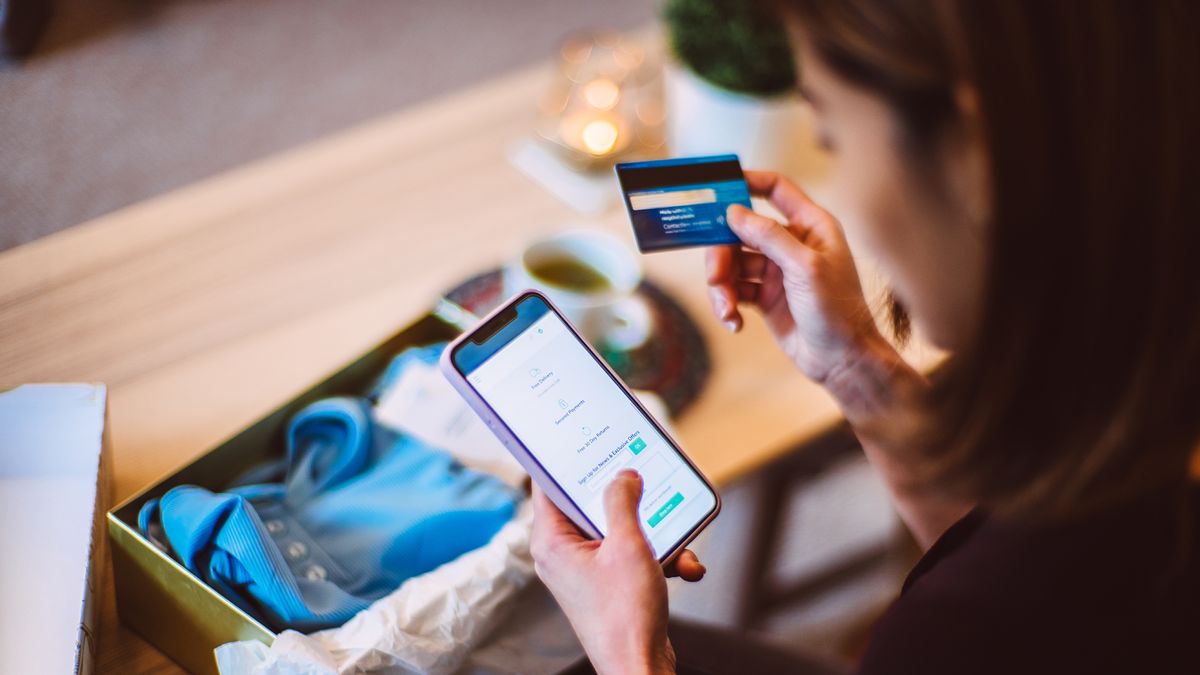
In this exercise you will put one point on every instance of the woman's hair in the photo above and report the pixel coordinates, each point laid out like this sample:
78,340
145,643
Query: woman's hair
1082,386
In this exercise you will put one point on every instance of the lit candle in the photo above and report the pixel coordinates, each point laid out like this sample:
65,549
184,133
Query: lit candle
595,133
590,112
599,137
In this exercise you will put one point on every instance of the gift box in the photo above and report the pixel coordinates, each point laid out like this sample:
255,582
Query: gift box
158,597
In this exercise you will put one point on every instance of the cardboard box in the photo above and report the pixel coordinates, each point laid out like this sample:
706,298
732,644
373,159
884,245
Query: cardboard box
54,487
160,599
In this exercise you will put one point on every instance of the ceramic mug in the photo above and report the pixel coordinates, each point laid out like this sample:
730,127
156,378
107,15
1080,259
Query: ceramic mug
592,278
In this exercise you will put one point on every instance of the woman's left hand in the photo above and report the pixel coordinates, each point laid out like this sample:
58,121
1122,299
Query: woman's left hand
613,591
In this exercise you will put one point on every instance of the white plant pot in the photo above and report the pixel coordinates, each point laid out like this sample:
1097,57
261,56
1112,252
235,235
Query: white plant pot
703,119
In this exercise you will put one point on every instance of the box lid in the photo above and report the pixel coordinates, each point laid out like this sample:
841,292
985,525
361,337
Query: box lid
51,439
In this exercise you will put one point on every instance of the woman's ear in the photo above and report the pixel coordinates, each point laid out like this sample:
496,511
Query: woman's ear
968,166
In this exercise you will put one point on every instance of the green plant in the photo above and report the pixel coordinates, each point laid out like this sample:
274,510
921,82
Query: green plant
739,45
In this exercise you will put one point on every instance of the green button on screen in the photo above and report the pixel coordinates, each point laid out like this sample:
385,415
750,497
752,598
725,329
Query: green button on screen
665,510
637,445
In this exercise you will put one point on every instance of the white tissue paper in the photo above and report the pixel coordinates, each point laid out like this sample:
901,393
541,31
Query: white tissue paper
445,621
424,404
429,625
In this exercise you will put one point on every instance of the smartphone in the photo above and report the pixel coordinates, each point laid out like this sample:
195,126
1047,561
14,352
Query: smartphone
571,422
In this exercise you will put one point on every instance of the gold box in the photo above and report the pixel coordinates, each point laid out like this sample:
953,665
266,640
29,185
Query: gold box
160,599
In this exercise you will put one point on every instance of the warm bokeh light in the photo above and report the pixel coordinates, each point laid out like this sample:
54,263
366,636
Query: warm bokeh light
604,101
601,93
599,136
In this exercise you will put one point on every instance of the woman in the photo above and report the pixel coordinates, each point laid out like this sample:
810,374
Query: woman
1021,169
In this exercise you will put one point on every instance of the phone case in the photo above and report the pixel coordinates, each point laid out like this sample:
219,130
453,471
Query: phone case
525,458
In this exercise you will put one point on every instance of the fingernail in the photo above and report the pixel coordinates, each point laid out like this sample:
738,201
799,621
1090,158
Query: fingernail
722,305
630,474
731,326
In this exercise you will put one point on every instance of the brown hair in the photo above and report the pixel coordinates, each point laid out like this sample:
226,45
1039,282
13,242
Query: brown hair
1083,385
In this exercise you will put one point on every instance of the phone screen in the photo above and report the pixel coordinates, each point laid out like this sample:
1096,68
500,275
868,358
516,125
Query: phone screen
580,424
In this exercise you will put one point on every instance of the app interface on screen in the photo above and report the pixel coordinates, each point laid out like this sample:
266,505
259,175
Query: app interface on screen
682,202
581,427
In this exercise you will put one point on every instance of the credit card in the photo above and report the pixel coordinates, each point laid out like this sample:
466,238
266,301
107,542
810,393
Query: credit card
681,202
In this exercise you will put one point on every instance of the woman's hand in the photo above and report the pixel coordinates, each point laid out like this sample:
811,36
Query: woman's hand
801,277
799,274
613,591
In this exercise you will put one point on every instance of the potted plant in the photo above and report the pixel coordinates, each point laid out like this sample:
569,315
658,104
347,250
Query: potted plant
731,85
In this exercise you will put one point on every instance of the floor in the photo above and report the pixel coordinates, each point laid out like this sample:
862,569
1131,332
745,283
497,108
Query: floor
127,99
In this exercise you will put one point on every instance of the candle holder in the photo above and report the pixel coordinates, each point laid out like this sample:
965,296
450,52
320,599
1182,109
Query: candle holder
603,103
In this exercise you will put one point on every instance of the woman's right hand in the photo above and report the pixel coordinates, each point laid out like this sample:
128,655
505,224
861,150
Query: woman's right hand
801,277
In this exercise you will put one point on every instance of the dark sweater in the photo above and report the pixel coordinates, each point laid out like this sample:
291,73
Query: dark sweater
1117,592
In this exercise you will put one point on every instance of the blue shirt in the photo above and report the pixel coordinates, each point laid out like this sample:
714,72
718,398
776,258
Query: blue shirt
362,509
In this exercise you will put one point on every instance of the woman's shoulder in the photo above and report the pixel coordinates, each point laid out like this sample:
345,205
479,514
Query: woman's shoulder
1117,591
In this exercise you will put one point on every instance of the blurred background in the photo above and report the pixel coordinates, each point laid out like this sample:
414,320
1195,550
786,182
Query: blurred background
119,100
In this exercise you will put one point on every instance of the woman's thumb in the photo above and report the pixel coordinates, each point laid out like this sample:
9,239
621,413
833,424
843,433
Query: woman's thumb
621,499
765,234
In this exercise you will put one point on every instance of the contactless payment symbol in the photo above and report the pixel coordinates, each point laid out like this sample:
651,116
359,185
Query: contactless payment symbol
680,202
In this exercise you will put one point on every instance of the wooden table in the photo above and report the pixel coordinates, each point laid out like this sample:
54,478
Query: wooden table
204,308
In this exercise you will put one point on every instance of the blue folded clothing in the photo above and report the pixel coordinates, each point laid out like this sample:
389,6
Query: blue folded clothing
362,508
